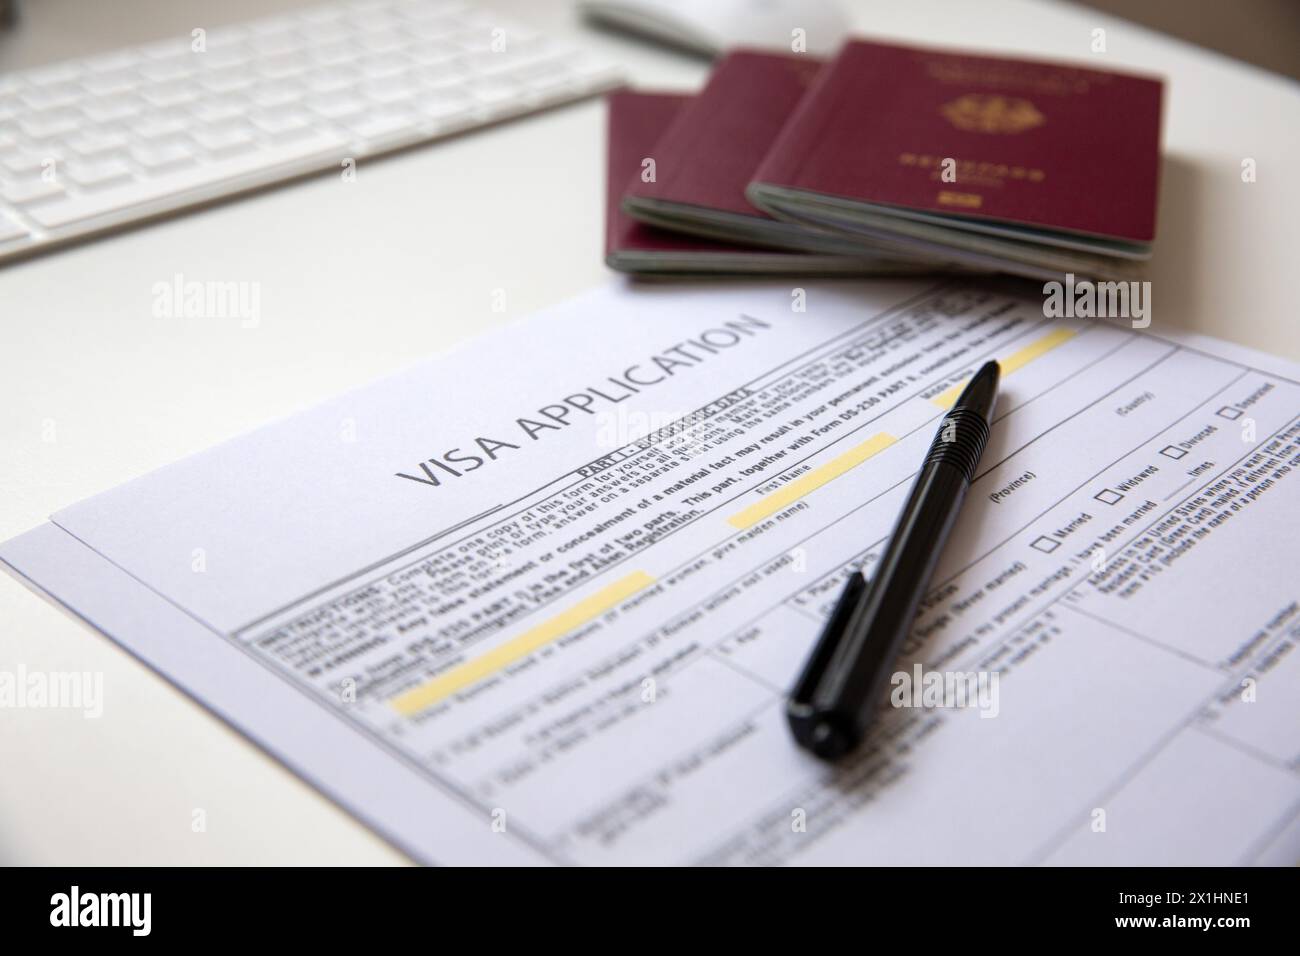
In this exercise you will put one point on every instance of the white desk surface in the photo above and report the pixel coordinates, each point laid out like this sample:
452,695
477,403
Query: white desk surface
358,280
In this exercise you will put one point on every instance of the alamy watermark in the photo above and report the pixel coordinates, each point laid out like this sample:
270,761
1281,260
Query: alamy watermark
929,690
132,911
208,299
1085,299
54,690
617,427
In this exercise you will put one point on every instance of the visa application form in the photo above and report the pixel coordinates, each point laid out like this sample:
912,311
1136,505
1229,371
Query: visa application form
540,600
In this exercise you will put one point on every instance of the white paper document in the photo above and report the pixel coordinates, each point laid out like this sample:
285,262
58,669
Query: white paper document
540,600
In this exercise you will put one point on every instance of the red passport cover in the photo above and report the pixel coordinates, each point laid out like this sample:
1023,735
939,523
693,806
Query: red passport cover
710,153
636,121
1037,144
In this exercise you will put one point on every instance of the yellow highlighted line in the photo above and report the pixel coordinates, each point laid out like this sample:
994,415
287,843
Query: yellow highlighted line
471,672
771,504
1016,360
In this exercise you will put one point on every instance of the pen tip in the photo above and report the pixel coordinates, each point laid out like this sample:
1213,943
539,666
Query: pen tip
982,389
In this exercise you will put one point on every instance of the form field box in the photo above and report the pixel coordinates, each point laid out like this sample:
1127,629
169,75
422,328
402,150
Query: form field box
1169,451
1228,412
1045,544
1011,363
479,668
767,506
1108,496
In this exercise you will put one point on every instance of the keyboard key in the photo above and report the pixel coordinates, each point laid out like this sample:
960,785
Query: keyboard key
443,78
30,162
226,81
475,41
52,97
280,124
382,41
280,67
279,94
392,90
382,126
335,54
97,174
112,109
379,67
446,111
112,62
201,176
222,58
30,190
336,107
172,94
169,70
108,84
276,44
436,31
11,231
156,127
376,18
433,54
93,142
224,139
159,155
526,64
330,79
46,125
218,110
59,73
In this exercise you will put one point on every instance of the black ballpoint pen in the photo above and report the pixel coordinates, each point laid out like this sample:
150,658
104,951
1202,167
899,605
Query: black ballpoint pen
842,684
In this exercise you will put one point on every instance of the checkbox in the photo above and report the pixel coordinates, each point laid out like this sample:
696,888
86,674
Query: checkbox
1231,414
1169,451
1045,544
1107,496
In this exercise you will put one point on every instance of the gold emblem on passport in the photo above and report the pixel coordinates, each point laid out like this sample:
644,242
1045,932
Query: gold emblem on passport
981,113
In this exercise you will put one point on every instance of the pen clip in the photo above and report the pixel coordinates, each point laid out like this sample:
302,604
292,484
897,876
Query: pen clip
799,709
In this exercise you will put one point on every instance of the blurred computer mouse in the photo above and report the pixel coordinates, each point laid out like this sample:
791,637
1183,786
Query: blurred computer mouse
712,26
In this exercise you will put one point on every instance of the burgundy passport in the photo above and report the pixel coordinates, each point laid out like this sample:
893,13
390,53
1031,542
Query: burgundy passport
708,156
1033,144
636,121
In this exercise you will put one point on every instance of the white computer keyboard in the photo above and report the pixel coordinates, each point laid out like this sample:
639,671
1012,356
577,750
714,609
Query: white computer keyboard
90,145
